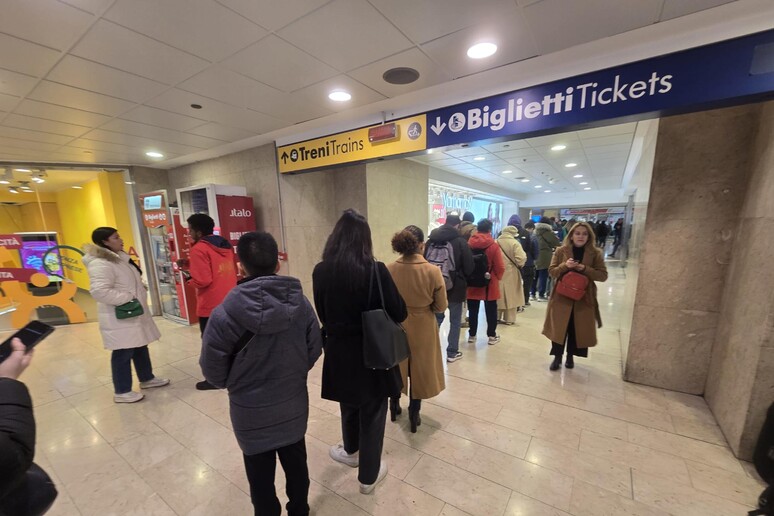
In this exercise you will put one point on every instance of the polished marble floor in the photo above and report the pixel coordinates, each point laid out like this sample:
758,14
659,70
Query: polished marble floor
507,436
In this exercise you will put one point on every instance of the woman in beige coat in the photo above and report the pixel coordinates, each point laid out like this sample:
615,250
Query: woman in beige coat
422,288
575,322
511,289
116,280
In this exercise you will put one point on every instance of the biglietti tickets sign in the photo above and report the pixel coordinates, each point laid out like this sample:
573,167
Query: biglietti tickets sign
721,74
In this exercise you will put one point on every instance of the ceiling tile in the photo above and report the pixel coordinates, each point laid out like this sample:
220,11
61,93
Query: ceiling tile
317,94
79,99
271,14
12,83
94,145
179,101
202,27
60,113
429,73
25,57
430,19
279,64
139,142
159,117
48,22
12,143
603,141
113,45
160,134
7,102
33,136
91,6
47,126
559,24
518,153
568,139
509,145
466,151
510,32
88,75
220,132
368,36
677,8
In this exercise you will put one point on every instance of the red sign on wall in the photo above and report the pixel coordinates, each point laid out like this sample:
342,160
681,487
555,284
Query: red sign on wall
236,216
23,275
10,241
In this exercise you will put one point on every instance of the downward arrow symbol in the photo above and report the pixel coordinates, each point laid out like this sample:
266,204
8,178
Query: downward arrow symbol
438,127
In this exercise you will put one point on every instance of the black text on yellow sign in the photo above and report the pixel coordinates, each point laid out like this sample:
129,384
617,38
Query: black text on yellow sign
352,146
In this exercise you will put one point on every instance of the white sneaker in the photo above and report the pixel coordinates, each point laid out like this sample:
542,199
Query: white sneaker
454,357
494,340
339,454
128,397
154,382
472,339
369,488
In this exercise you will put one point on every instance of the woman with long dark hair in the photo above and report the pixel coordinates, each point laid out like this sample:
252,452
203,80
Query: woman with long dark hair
344,286
421,285
570,324
117,280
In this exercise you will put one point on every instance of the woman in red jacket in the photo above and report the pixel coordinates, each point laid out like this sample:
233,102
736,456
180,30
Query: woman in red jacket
483,245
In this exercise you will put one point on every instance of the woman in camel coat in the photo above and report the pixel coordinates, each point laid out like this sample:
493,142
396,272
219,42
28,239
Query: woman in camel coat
511,289
575,322
422,288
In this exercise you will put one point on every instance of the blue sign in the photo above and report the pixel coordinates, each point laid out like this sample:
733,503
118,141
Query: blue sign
701,78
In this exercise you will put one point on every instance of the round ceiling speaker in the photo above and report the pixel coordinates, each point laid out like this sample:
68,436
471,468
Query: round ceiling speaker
400,75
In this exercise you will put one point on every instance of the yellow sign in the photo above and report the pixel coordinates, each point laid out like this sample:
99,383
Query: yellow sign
352,146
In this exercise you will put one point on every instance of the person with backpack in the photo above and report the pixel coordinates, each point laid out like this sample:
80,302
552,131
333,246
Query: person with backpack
512,293
547,242
530,245
447,249
484,281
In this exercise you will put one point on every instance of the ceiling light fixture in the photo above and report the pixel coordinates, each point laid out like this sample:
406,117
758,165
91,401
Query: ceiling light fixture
479,158
13,190
525,180
507,171
583,183
546,191
571,165
154,154
538,186
482,50
587,188
4,182
400,75
196,106
22,170
128,182
576,176
339,96
77,187
558,147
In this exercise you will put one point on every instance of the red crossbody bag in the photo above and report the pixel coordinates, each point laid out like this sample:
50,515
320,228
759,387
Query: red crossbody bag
573,285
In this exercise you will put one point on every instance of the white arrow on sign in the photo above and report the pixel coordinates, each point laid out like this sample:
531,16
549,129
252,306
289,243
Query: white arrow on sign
438,127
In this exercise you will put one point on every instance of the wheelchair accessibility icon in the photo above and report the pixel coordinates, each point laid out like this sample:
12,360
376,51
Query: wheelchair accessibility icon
414,130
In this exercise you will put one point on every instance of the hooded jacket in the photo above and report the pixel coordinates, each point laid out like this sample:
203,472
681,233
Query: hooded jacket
463,260
467,229
547,242
213,272
114,281
260,344
494,257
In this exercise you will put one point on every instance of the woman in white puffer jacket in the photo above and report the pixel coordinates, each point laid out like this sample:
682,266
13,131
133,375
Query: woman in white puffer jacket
116,280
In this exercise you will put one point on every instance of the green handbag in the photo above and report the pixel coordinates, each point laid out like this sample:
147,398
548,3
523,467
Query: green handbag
128,310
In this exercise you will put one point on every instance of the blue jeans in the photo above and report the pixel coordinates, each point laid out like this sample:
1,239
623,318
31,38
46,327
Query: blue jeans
541,281
120,363
455,320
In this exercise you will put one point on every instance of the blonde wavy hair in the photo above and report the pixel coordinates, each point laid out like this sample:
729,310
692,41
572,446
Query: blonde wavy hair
592,236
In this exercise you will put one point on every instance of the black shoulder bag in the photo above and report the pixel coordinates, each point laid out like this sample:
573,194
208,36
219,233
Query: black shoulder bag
385,343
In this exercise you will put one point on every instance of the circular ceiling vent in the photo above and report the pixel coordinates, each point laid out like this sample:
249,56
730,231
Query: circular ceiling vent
400,75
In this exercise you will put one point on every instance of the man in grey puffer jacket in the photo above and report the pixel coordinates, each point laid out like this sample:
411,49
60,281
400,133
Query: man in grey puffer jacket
260,344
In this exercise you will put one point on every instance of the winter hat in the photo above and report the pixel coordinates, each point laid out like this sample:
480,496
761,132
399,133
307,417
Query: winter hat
515,220
468,215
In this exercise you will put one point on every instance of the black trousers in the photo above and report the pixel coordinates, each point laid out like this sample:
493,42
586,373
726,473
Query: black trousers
572,344
362,430
203,323
260,470
490,308
527,278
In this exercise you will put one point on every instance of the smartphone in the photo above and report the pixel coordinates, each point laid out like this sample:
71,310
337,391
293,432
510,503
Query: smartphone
30,335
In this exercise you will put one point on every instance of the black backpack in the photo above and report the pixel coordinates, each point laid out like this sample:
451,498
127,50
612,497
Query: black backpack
478,278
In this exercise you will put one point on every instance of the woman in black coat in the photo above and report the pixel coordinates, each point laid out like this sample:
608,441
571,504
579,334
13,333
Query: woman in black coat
341,294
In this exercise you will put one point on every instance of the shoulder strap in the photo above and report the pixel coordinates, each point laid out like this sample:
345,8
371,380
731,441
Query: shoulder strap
378,283
506,255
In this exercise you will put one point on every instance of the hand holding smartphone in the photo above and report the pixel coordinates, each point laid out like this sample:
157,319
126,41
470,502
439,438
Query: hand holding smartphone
30,336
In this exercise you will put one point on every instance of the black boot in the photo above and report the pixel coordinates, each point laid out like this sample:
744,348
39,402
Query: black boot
395,409
556,364
414,418
570,363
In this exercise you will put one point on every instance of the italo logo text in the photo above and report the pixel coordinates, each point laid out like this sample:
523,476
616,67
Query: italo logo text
241,212
582,96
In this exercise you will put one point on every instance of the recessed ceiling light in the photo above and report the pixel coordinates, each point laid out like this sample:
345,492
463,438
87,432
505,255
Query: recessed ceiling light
128,182
22,170
525,180
4,182
507,171
546,191
587,188
538,186
479,158
576,176
154,154
558,147
77,187
482,50
584,183
13,190
571,165
339,96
